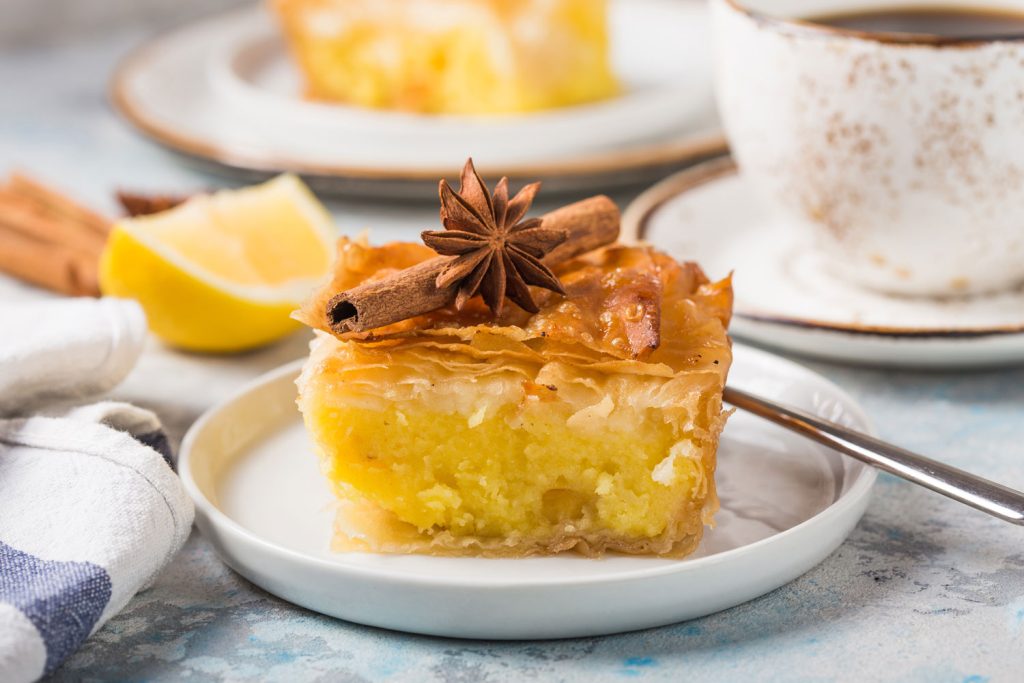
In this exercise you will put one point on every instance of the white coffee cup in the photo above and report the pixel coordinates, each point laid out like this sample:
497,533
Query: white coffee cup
903,160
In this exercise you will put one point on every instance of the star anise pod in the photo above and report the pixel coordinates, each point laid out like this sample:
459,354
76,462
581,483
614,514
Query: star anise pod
498,253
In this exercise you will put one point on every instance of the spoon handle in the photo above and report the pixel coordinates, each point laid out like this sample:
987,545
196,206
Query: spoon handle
982,494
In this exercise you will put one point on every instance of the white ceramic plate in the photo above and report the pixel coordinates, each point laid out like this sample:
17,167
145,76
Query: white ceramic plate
786,504
787,299
224,90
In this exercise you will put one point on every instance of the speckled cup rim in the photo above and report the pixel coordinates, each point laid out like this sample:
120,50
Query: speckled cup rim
809,28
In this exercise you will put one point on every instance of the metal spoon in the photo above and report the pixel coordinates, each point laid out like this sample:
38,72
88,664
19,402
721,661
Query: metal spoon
978,492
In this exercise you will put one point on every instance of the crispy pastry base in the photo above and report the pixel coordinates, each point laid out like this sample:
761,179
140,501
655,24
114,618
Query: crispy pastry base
363,526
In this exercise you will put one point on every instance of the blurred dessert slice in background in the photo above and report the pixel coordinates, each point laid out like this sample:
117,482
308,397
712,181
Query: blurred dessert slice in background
451,56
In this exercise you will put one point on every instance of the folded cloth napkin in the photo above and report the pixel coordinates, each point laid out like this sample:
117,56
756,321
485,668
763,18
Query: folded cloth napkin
90,509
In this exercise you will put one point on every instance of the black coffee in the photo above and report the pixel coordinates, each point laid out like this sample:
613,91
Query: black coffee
943,22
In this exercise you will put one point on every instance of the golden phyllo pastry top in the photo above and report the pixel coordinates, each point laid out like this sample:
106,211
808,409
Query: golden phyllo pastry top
630,308
556,286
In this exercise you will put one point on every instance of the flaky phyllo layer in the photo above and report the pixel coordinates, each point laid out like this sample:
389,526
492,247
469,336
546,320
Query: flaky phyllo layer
454,433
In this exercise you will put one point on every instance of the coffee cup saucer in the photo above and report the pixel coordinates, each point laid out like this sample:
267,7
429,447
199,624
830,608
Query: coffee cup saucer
787,299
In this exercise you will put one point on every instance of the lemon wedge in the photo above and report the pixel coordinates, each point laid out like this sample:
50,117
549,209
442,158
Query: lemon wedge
222,272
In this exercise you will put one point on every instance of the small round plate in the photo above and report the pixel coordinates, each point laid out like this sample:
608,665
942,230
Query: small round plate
787,299
245,111
787,503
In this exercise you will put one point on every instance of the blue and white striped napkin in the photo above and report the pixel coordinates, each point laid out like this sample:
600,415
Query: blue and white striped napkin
90,509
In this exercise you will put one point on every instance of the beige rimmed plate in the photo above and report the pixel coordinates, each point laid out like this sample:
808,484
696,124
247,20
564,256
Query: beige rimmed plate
787,503
787,299
224,93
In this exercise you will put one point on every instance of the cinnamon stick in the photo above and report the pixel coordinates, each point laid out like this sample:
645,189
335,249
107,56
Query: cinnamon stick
21,214
52,266
48,239
138,204
589,224
57,203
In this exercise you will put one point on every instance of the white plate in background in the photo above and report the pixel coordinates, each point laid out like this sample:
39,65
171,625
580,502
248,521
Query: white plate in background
223,90
661,56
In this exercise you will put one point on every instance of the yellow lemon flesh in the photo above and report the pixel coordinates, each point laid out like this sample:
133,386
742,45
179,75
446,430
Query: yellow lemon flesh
222,272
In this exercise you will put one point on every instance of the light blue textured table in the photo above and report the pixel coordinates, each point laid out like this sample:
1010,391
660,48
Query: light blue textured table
923,590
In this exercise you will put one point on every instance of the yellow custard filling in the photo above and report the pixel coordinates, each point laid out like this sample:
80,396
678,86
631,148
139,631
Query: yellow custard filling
519,471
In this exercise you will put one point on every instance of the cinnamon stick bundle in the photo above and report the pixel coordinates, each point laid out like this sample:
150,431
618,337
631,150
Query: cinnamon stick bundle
47,265
49,240
21,214
59,205
589,224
